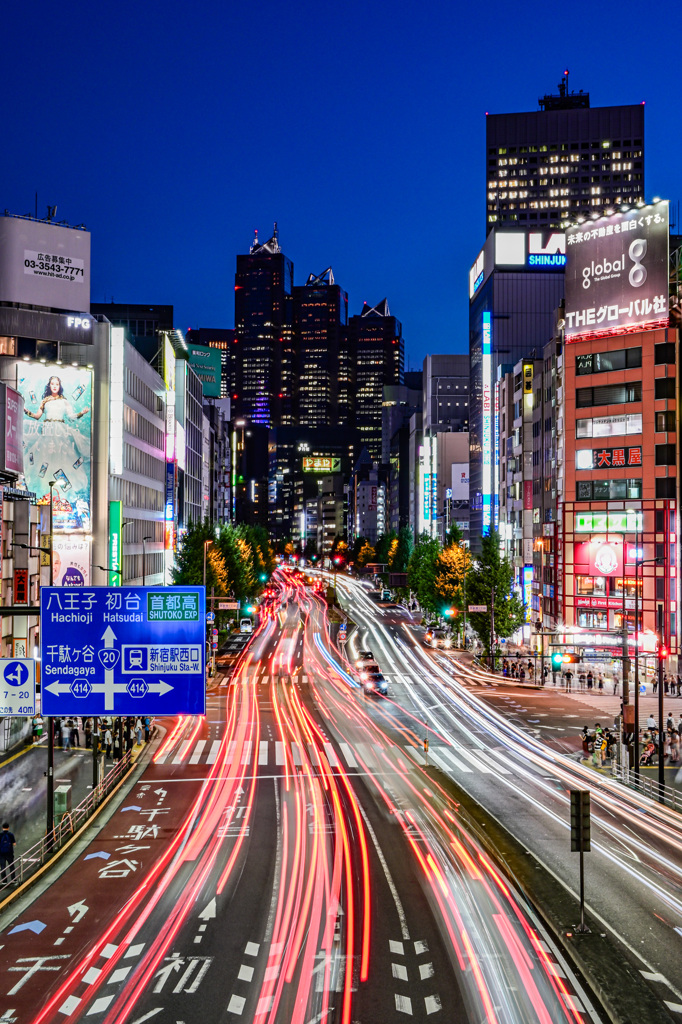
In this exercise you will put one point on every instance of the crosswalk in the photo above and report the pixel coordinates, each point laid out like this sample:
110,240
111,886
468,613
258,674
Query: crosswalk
362,757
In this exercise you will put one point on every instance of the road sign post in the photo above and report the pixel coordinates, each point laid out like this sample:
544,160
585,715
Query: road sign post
17,687
123,650
580,841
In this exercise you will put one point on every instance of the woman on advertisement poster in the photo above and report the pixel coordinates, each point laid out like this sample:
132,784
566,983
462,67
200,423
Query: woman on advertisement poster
59,449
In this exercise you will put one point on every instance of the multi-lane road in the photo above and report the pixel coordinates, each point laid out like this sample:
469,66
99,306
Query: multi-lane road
297,856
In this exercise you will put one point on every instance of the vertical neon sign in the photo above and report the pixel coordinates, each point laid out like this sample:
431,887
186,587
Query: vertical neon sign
486,367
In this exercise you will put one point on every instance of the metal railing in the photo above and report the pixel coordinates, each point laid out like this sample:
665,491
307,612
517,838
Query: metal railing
648,787
34,858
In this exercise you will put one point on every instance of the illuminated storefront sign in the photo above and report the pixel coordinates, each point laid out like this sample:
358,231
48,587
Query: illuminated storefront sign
476,274
608,458
527,589
116,380
487,439
115,542
629,521
600,556
321,464
71,561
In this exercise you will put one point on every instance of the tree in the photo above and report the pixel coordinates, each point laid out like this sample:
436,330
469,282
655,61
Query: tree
383,546
339,546
358,544
393,547
365,554
403,550
451,568
490,582
454,535
189,560
421,571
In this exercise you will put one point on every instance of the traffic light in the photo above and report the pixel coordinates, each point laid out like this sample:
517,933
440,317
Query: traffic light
448,613
580,821
662,652
557,661
571,659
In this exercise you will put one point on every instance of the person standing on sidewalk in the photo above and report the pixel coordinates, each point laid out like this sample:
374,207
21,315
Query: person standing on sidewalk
108,741
568,676
7,844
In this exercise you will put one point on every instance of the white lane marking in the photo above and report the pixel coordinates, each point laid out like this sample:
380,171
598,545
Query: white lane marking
650,976
245,973
487,758
263,752
396,947
312,750
99,1005
413,752
440,762
230,751
69,1005
120,975
133,950
399,972
147,1016
348,754
264,1005
246,752
213,752
331,755
182,752
279,752
296,754
426,971
236,1005
675,1007
109,950
403,1004
433,1004
91,975
420,947
197,752
476,761
446,752
251,949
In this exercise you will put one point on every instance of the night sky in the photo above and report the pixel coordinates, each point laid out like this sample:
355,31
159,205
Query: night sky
172,130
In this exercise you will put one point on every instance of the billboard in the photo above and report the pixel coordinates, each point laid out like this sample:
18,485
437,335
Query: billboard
321,464
460,481
115,543
43,264
57,439
206,363
70,561
617,274
599,556
11,440
487,440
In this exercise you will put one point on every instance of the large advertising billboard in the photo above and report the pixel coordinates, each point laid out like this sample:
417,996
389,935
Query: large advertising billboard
321,464
617,274
43,264
206,363
57,440
487,441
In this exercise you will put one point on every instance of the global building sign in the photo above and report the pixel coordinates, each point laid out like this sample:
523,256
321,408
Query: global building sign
617,274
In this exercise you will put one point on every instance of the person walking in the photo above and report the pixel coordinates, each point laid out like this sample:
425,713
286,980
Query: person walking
674,747
66,735
590,679
7,844
108,739
616,683
75,735
568,676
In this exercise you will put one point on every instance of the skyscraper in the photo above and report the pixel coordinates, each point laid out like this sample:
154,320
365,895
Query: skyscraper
377,349
562,161
264,352
321,319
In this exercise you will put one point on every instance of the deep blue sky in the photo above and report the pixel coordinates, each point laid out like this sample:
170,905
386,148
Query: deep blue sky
173,129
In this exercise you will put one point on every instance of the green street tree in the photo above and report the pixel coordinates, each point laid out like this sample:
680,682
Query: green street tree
490,582
452,565
421,571
189,560
365,554
383,546
403,550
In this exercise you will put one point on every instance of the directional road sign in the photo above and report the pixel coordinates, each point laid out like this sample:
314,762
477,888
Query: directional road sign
17,686
123,650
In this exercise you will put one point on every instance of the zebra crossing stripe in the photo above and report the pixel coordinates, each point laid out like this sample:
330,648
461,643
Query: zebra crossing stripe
230,751
296,754
182,752
446,753
263,752
489,760
440,761
331,755
246,752
476,761
198,751
312,749
279,752
348,755
213,752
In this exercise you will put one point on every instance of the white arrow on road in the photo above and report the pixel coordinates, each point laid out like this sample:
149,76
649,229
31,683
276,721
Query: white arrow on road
209,911
78,911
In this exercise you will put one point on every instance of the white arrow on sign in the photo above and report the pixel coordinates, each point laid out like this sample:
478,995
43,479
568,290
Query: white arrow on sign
58,688
109,688
209,911
78,911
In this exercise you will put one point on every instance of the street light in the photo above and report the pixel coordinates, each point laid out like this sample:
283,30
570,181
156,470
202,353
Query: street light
144,562
108,568
207,543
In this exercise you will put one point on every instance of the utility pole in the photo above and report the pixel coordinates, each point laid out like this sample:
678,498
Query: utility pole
661,734
492,629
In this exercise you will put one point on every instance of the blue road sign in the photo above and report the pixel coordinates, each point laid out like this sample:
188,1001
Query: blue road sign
17,686
123,650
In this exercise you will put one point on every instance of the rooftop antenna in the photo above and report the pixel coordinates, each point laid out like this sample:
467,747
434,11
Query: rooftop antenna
563,84
51,212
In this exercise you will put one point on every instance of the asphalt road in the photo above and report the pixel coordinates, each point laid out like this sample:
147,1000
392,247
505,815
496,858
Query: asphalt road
502,758
289,858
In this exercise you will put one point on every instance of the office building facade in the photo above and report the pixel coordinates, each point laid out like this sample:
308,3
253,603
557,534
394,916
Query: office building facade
320,328
377,348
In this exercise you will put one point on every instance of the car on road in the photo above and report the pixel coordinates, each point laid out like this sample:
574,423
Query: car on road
364,656
438,638
367,669
375,683
245,626
385,595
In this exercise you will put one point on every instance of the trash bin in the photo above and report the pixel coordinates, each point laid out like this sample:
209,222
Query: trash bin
62,802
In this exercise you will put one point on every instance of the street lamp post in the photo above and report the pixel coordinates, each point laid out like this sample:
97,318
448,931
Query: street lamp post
207,543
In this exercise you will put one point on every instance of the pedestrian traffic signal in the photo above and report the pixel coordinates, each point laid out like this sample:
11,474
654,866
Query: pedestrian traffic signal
557,660
662,652
580,821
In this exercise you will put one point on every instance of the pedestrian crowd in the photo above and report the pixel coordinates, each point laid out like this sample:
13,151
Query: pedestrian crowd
599,744
102,734
649,741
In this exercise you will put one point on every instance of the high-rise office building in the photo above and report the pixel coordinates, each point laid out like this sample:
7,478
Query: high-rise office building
563,161
445,400
264,365
377,349
320,319
223,339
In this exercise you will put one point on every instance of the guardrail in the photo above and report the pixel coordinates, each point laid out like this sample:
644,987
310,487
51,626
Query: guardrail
34,858
648,787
